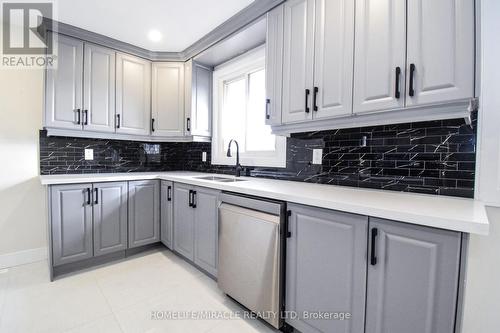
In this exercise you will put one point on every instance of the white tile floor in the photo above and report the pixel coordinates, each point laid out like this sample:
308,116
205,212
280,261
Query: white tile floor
117,297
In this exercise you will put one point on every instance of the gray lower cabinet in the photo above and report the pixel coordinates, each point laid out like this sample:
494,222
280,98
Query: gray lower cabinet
110,217
413,282
326,269
166,213
183,221
205,229
143,212
195,225
71,223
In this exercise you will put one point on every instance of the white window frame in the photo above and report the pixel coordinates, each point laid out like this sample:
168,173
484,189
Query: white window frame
242,65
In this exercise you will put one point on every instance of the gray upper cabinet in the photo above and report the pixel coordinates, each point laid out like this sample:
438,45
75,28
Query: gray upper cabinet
110,217
298,57
167,213
71,223
198,99
183,221
206,204
441,50
412,285
326,268
133,95
333,58
63,95
167,99
380,57
143,212
274,65
99,89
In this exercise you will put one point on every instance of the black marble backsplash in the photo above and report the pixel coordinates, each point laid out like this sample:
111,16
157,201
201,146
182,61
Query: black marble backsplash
435,157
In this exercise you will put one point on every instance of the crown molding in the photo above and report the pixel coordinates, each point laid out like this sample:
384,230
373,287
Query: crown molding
229,27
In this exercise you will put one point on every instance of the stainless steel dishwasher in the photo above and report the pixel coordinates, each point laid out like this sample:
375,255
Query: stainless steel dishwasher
251,254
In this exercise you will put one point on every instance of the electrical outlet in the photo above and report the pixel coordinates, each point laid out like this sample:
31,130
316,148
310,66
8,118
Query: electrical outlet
204,156
317,156
89,154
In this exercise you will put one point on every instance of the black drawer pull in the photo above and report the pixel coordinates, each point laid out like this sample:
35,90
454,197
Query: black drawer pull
118,121
190,198
268,115
78,117
194,200
169,193
397,93
152,125
86,114
96,196
88,196
315,97
373,256
412,74
188,124
307,100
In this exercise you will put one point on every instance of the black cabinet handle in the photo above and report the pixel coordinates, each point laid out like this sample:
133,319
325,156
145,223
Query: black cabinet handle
86,114
96,196
118,121
307,100
373,256
397,93
169,193
194,200
78,117
88,196
152,125
412,74
315,98
188,124
190,198
268,115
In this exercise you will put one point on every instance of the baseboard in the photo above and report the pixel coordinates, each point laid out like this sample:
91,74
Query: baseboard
22,257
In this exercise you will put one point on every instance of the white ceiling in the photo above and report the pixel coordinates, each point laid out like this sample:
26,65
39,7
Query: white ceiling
181,22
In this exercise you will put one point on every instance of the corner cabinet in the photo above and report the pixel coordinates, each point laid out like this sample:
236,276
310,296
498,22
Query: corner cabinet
167,99
143,212
195,225
133,95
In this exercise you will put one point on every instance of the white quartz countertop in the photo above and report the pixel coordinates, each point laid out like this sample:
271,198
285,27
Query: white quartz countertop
465,215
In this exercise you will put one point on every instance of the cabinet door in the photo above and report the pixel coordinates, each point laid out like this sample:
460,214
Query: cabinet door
380,49
133,95
298,60
99,89
71,221
412,286
167,213
183,222
205,229
333,57
274,65
198,100
168,99
143,212
110,217
326,268
63,100
441,49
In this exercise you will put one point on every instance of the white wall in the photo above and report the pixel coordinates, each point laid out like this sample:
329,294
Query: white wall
22,198
482,294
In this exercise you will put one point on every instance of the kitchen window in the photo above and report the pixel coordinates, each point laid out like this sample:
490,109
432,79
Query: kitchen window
239,113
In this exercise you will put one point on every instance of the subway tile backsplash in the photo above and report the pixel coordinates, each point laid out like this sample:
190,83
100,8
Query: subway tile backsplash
435,157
